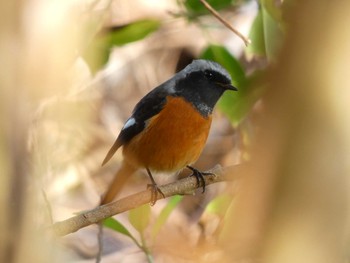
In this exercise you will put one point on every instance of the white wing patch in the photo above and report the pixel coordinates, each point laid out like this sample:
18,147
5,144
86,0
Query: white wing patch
130,122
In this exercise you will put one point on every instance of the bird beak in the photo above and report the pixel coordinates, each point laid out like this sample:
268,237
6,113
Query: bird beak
228,86
231,87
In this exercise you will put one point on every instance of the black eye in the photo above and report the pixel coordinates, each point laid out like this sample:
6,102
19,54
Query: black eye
208,74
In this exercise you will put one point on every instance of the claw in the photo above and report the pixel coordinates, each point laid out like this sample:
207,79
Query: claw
199,176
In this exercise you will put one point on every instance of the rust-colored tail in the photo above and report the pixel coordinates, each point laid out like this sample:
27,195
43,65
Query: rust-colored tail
120,179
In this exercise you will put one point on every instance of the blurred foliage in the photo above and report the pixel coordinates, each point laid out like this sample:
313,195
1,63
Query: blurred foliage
138,30
266,33
164,214
140,218
97,53
256,35
271,7
195,7
219,205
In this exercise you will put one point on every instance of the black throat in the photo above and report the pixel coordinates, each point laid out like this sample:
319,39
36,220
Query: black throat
202,95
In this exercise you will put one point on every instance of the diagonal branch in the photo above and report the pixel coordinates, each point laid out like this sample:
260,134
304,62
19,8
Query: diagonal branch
225,22
180,187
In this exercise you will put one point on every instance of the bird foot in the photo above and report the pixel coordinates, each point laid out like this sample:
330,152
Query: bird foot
199,176
155,190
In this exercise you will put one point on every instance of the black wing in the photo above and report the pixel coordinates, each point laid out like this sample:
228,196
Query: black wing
146,108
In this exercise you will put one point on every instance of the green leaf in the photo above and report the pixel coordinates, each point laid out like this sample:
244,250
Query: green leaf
256,35
271,7
272,35
238,107
121,35
140,217
197,8
118,227
230,213
219,205
165,213
97,52
266,35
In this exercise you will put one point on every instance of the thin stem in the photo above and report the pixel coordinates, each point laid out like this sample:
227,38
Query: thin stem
246,40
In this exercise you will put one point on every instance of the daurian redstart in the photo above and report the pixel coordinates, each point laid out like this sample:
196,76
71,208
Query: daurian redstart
169,126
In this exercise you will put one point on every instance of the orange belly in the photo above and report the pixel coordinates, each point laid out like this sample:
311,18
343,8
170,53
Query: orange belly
171,140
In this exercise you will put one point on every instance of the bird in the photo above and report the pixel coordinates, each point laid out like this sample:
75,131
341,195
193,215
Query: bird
169,126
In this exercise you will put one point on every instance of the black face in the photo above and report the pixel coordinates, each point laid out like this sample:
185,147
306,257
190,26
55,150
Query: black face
203,89
216,78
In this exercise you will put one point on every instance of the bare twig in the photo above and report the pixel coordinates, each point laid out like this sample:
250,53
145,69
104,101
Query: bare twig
225,22
181,187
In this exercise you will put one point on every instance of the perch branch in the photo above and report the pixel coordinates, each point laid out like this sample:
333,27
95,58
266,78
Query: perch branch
180,187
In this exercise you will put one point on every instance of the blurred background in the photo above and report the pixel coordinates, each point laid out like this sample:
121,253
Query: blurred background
70,76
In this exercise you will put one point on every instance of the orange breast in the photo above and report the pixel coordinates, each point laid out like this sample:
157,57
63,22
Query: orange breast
172,139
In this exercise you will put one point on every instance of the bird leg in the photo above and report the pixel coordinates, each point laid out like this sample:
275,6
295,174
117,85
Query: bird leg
154,188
